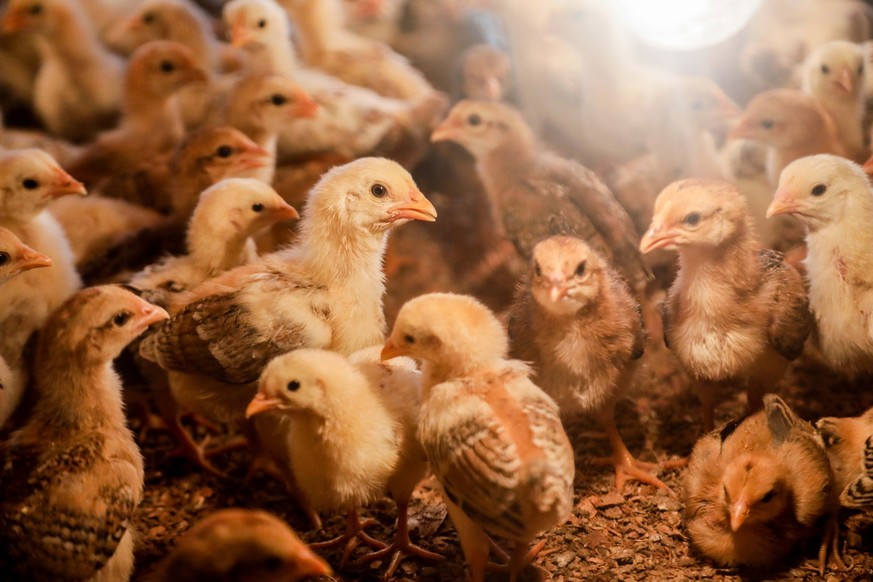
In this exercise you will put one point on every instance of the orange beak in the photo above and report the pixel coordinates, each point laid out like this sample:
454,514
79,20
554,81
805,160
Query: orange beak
448,130
149,314
493,88
285,212
868,166
306,564
15,20
657,237
844,81
742,130
239,33
391,350
196,75
261,403
65,185
783,203
418,208
30,259
254,156
557,289
739,514
304,105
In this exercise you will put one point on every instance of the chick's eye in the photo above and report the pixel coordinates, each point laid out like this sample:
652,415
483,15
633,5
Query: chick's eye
538,271
30,184
767,124
262,23
293,386
819,189
692,219
580,269
120,318
148,18
474,119
825,69
768,496
378,190
409,339
4,258
167,67
257,206
224,151
272,563
278,99
35,9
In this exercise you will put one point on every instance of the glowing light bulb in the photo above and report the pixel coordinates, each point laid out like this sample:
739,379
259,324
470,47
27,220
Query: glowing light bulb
686,24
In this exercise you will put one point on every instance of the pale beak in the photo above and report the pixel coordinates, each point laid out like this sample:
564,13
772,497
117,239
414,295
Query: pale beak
149,314
65,185
418,208
783,203
197,75
254,157
657,237
868,166
261,403
304,105
31,259
844,81
742,130
557,290
391,350
739,514
493,89
286,212
239,34
306,564
448,130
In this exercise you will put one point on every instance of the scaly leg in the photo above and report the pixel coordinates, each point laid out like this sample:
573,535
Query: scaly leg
474,541
353,535
401,546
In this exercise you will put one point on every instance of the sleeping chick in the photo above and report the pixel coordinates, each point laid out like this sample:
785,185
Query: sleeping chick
735,313
493,438
832,197
849,445
232,545
72,477
758,487
577,324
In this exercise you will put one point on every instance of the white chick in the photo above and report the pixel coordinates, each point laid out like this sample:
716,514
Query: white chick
834,74
72,477
493,438
833,198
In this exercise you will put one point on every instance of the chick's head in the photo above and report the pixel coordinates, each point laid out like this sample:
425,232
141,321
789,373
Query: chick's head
255,22
698,101
696,213
155,20
97,323
754,491
29,181
241,206
482,126
35,16
821,190
447,329
16,257
566,274
781,118
162,67
220,152
270,101
485,71
835,70
369,194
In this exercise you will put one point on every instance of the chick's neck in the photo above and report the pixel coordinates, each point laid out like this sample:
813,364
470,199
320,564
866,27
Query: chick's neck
733,260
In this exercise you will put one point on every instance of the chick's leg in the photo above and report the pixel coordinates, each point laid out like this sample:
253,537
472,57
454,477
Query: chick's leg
474,541
353,535
626,466
707,392
401,546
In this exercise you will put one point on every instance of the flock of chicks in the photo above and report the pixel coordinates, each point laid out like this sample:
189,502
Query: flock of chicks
203,149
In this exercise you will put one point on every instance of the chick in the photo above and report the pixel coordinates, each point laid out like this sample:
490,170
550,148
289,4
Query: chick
339,458
834,74
72,477
235,544
29,181
151,125
77,91
577,324
493,438
735,313
15,258
325,292
849,445
485,73
756,488
792,125
833,199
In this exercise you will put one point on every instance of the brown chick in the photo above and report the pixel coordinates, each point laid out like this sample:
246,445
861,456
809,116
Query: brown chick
758,487
735,313
536,194
576,322
792,124
493,438
150,125
72,477
849,445
240,544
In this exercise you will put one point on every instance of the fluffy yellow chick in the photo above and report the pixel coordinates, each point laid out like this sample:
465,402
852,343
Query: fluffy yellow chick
735,313
493,438
758,487
234,544
72,477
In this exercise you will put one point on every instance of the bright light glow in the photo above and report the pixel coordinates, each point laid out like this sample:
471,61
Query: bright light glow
686,24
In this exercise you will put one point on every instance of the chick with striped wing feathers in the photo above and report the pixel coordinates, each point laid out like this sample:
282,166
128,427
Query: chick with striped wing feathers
493,438
72,477
758,487
536,194
849,445
735,313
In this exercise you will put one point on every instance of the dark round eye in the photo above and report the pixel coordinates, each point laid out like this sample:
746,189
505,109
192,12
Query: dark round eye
224,151
257,206
409,339
538,270
35,9
262,23
768,496
692,219
148,18
580,269
293,386
767,124
819,189
4,258
120,318
167,66
30,184
272,563
278,99
474,119
378,190
825,69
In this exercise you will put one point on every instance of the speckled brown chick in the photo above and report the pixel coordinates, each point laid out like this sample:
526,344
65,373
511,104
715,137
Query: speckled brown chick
735,313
